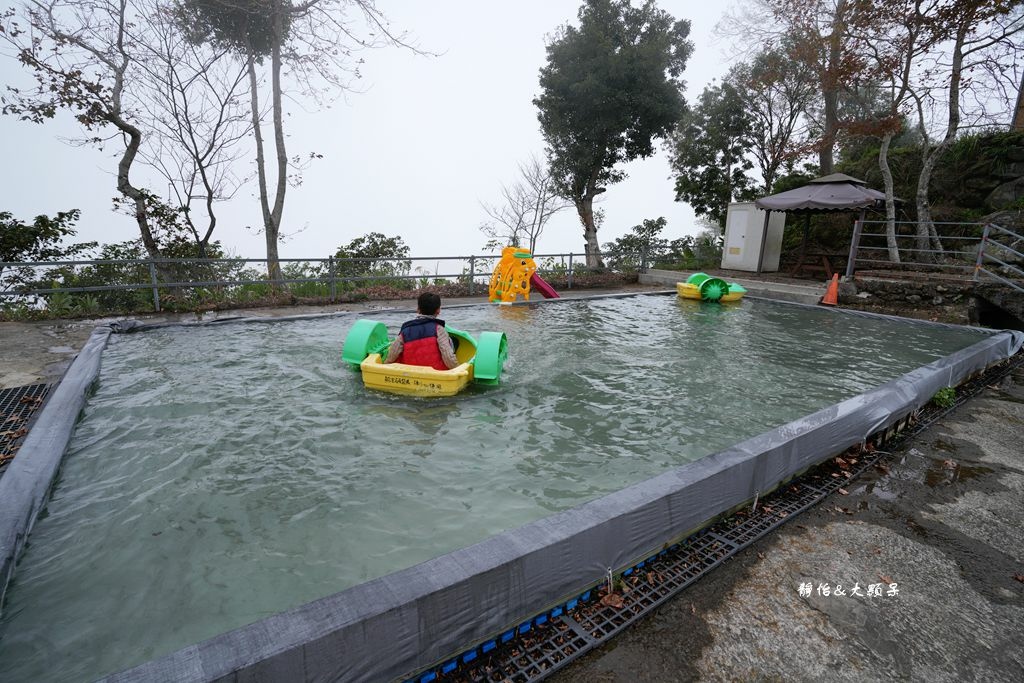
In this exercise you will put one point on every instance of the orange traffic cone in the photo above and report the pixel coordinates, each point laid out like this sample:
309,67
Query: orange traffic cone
831,297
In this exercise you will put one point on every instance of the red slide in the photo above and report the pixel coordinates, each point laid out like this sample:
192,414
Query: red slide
538,283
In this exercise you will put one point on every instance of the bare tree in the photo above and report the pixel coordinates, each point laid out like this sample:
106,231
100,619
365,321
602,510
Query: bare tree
82,53
526,207
816,32
316,39
198,111
777,91
895,33
983,36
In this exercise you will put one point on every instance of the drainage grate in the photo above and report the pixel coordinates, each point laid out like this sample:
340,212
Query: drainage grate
540,646
16,408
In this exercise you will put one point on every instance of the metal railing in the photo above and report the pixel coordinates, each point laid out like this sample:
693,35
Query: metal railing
986,255
89,276
966,257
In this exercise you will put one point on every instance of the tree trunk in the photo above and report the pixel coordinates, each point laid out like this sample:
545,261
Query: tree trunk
274,268
269,232
890,201
830,90
125,187
1017,125
828,138
926,234
585,207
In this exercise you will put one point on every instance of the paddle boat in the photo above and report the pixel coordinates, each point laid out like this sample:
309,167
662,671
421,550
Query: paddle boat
703,287
480,361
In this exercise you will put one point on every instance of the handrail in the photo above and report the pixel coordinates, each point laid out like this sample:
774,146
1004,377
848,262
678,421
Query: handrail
328,271
984,254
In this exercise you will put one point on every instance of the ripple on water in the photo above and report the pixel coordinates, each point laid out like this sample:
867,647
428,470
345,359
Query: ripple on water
223,474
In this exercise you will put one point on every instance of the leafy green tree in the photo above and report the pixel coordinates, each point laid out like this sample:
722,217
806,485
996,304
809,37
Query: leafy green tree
610,87
632,250
379,256
40,240
709,153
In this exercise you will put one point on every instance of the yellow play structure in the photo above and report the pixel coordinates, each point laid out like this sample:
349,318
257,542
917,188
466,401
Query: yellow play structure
514,275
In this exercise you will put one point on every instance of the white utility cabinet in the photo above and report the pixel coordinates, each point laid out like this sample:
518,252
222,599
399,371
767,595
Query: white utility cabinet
744,228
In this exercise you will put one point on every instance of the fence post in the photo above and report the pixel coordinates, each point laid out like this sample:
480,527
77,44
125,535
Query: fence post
569,283
981,251
472,273
156,291
854,244
334,284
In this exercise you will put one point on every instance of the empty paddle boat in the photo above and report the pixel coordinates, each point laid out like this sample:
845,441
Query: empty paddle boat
703,287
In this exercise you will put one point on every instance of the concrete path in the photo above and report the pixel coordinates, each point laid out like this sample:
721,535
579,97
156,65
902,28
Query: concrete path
945,523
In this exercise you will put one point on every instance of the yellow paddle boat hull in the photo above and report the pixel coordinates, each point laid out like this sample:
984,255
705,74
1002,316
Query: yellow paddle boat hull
687,290
414,380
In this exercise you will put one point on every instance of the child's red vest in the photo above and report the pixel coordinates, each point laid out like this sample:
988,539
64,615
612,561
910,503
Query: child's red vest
419,343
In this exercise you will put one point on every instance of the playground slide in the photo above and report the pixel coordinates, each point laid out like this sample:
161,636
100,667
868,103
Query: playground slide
538,283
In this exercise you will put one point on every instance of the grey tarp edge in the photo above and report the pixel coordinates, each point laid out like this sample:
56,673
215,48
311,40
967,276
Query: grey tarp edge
398,624
25,485
139,326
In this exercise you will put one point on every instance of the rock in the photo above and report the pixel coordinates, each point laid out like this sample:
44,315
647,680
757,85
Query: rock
938,301
863,295
1011,170
914,298
1006,194
940,288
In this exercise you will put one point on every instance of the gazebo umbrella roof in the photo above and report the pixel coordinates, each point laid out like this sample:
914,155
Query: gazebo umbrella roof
835,192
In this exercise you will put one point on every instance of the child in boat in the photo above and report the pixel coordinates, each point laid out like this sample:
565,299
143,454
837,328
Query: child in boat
423,340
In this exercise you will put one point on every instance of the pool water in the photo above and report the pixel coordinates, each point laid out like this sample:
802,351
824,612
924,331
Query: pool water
222,474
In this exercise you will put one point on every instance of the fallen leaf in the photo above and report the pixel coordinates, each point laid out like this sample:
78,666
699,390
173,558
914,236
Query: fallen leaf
883,468
612,600
1019,577
884,578
760,556
949,464
843,492
693,610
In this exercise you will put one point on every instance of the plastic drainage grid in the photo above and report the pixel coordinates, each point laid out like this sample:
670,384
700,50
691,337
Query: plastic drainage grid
546,643
16,408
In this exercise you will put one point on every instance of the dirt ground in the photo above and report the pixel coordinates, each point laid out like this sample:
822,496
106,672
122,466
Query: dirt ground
945,523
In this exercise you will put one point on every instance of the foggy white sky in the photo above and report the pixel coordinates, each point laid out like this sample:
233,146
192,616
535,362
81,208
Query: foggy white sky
413,155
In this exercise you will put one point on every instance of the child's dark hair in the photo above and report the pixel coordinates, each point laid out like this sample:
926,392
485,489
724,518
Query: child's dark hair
428,303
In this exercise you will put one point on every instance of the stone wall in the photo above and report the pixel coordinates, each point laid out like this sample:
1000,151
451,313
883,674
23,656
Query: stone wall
986,304
915,294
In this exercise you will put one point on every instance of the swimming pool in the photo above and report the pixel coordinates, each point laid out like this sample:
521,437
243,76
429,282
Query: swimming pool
222,474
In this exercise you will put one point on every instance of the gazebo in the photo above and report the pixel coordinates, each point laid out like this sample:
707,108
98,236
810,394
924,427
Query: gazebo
835,192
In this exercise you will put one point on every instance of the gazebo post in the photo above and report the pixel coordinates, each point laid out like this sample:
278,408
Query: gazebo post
764,239
807,236
854,243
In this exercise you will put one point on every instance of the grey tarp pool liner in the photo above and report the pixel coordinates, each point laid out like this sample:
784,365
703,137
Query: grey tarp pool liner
398,624
25,485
